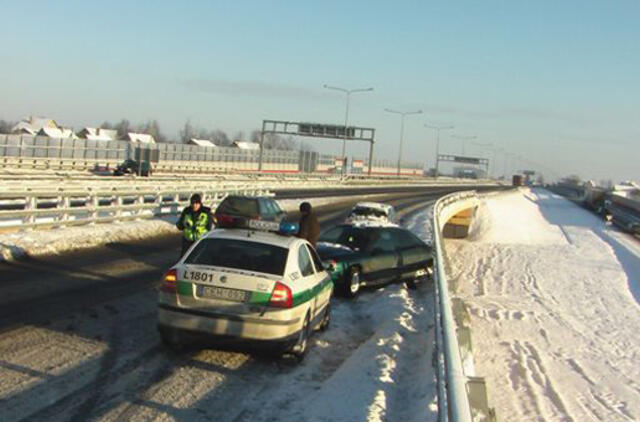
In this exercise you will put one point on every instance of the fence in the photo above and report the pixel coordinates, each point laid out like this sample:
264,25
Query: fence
461,396
40,152
71,207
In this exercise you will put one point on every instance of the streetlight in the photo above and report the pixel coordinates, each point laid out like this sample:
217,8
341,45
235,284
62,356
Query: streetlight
437,129
402,114
346,118
464,139
489,146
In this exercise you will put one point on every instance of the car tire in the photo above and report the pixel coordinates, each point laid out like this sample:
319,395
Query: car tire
326,318
352,285
299,350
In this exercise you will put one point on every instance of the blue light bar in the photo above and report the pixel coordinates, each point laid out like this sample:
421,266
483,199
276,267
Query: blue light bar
288,228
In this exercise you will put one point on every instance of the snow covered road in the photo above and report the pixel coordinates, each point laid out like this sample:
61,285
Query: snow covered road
104,362
554,295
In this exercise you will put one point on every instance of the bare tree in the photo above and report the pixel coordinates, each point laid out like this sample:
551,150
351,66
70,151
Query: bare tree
6,126
188,132
123,127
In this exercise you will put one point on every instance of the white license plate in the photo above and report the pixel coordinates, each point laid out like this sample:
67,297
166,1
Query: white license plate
212,292
264,225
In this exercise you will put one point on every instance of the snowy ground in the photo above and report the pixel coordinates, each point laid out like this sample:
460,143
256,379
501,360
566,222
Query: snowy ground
554,298
106,363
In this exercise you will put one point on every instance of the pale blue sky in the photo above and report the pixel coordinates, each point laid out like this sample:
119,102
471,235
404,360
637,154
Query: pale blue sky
555,82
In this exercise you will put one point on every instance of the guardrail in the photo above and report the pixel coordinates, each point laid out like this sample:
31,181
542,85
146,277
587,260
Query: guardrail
51,208
454,404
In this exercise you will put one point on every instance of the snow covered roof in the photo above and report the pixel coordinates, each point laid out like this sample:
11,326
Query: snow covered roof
374,205
247,145
56,132
98,134
142,138
202,142
31,125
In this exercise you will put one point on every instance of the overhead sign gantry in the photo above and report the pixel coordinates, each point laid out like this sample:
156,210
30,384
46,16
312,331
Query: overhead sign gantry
464,160
318,130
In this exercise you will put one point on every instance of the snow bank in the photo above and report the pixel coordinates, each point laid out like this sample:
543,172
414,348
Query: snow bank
552,293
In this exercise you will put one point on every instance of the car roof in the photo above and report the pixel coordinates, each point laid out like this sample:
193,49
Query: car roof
374,205
255,236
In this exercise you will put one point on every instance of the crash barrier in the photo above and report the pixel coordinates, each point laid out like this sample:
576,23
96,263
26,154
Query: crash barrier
41,152
51,208
461,395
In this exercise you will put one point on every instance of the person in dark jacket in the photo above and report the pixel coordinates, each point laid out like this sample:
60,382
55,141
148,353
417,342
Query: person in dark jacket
309,226
194,222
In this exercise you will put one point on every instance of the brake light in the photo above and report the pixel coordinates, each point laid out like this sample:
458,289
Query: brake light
281,296
169,281
225,220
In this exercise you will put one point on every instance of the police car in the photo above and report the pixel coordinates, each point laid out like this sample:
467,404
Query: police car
247,284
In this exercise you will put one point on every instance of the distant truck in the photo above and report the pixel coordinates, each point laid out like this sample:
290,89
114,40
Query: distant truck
517,180
133,167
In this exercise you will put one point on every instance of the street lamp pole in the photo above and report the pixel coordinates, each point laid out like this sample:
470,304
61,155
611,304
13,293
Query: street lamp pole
488,145
437,129
402,115
346,118
464,139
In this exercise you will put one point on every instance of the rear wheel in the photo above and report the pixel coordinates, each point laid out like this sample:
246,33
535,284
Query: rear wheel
352,287
326,318
302,345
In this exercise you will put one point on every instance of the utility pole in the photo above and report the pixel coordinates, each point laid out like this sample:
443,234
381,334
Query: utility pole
402,116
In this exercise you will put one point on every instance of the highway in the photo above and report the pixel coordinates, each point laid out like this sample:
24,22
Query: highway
102,303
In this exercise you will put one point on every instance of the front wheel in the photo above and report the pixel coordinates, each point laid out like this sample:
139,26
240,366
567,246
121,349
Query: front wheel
353,283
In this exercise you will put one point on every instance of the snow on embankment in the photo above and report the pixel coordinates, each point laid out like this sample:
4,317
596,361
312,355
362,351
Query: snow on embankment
553,297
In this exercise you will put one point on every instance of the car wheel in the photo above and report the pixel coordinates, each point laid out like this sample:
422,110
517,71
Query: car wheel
353,283
302,345
326,319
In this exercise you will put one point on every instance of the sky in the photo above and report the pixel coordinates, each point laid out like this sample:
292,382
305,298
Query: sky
555,84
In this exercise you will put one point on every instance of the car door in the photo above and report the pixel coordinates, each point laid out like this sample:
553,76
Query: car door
383,260
308,276
323,294
414,253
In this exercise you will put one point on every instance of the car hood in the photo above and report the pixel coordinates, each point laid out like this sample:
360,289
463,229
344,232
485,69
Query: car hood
334,250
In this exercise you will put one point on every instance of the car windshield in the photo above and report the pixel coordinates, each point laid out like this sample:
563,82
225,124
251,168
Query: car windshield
238,206
355,238
368,212
240,254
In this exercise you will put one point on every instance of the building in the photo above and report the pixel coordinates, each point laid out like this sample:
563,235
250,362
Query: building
141,138
33,125
57,133
253,146
98,134
202,142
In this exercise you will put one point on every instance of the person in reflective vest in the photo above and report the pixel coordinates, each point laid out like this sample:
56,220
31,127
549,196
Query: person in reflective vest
194,222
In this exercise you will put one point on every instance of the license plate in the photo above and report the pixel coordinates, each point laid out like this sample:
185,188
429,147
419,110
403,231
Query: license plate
264,225
212,292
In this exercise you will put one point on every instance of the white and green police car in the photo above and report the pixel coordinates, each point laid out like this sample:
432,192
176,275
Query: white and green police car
241,284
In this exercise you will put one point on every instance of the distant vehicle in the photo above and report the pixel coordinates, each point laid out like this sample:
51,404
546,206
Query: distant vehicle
133,167
368,254
257,212
517,180
373,211
246,286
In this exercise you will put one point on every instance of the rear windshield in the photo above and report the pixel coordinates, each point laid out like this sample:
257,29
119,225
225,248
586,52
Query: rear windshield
240,254
238,206
355,238
368,212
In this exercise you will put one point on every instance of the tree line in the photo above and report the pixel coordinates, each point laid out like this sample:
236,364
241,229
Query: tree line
189,131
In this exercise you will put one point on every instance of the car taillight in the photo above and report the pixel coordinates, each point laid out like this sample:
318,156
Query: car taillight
281,296
224,220
169,281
